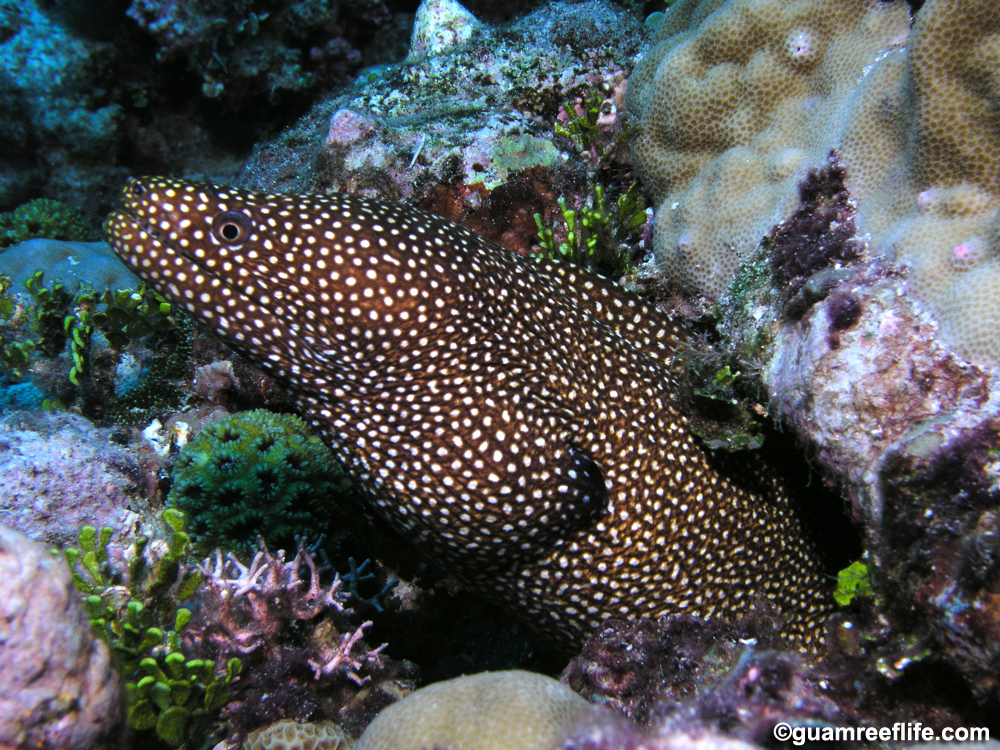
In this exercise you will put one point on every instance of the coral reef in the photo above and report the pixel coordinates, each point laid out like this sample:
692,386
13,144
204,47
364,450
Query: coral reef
602,235
58,688
63,124
739,100
440,25
93,92
133,592
487,711
636,667
835,239
245,50
113,355
467,132
819,235
257,474
223,647
301,646
682,677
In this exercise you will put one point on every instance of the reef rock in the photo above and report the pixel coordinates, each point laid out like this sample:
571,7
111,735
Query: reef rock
58,472
463,127
58,688
439,26
73,263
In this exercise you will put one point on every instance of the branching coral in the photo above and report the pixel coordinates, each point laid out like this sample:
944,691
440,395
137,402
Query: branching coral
266,640
249,605
298,639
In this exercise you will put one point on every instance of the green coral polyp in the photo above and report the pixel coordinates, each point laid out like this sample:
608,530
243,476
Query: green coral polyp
257,473
44,218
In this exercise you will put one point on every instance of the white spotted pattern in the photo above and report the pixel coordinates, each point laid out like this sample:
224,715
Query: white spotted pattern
513,417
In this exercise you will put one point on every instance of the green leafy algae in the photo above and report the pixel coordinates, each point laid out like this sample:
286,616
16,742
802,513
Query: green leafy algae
852,581
134,607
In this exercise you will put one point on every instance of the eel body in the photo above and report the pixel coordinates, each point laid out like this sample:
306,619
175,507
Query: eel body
515,418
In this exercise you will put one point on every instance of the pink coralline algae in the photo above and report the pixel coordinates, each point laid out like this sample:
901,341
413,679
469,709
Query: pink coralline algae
58,472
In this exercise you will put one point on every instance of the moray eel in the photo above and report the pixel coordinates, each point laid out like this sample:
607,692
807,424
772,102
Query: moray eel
515,418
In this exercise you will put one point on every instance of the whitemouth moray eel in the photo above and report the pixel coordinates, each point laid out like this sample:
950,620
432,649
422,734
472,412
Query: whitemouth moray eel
515,418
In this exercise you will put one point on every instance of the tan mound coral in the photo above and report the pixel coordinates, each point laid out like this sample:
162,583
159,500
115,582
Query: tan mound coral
931,198
489,711
739,99
290,735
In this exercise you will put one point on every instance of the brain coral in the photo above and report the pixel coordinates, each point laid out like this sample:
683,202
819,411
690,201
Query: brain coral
739,99
257,473
290,735
512,710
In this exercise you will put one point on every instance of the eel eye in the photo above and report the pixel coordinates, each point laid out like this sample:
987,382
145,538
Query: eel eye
231,227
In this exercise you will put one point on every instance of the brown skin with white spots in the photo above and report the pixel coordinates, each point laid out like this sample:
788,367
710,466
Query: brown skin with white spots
513,417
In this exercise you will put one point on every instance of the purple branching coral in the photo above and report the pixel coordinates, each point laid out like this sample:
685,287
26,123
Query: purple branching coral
302,648
249,607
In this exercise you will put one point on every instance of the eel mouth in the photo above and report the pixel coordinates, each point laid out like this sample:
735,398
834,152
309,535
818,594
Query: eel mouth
130,236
